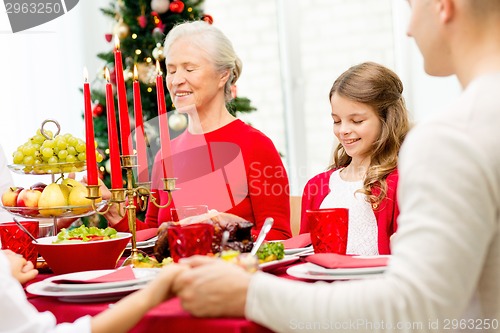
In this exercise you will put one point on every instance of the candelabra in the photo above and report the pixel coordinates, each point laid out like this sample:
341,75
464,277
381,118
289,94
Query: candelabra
140,191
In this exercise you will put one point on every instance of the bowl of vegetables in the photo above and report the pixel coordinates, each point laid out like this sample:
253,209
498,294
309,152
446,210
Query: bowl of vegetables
83,249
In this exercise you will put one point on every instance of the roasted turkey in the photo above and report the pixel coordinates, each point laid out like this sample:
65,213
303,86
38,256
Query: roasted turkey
240,236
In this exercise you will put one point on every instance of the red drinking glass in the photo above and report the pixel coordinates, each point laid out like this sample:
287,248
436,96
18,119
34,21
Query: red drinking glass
16,240
187,240
328,229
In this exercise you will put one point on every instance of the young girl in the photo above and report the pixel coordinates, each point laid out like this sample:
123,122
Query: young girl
370,121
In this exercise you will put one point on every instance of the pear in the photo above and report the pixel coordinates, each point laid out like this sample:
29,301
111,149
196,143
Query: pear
78,197
53,195
70,182
66,190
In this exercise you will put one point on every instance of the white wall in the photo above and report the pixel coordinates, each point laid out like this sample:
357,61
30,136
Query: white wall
43,72
324,38
425,95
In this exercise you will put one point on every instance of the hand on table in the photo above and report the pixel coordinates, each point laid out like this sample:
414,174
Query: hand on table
129,310
212,287
161,287
22,270
222,219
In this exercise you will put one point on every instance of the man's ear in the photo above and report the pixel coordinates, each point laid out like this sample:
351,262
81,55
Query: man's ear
446,10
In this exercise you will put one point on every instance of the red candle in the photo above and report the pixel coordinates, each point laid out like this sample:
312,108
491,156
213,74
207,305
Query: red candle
89,133
114,152
140,142
122,101
166,151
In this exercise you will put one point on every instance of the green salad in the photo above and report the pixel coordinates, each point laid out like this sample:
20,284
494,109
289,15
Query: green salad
84,234
271,251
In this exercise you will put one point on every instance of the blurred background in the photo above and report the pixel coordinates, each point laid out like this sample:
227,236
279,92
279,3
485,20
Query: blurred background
292,51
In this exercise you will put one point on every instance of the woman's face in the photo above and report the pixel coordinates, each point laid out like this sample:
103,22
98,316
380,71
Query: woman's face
191,76
356,125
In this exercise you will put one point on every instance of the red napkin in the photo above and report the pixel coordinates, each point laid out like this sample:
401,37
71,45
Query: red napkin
333,260
145,234
299,241
122,274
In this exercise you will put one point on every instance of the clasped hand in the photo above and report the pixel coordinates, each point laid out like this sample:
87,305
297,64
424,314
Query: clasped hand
21,269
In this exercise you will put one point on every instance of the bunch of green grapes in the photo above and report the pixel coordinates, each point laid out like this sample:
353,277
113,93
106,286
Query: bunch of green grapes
38,151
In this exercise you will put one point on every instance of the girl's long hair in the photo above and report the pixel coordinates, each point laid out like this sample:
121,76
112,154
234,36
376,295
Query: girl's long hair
379,87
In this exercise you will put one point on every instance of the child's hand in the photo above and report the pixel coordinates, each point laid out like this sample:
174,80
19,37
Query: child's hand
22,270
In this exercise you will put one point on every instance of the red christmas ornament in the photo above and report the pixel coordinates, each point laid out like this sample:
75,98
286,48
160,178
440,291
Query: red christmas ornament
109,37
157,21
176,6
208,18
97,110
143,21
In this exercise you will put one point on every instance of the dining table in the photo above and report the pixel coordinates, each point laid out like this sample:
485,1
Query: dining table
168,316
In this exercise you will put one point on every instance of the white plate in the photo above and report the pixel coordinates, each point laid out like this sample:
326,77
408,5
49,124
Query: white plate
298,249
294,250
147,243
82,296
277,263
56,289
304,271
319,270
142,276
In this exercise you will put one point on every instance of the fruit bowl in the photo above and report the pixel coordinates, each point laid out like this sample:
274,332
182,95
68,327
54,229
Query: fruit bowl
85,256
44,169
51,212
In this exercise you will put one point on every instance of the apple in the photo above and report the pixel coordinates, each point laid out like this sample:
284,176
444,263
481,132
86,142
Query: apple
38,186
29,198
9,197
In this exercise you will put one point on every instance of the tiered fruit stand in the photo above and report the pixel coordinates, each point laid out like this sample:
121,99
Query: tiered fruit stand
57,171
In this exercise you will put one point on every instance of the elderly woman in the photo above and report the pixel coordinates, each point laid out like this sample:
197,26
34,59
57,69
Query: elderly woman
219,161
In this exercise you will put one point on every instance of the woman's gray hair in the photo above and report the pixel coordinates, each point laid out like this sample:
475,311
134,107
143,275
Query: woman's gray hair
218,47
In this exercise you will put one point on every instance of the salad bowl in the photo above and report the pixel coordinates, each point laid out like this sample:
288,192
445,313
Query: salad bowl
76,256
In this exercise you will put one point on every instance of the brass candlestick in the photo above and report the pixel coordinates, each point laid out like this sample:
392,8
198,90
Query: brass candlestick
141,191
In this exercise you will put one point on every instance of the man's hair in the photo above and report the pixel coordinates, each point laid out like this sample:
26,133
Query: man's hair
482,8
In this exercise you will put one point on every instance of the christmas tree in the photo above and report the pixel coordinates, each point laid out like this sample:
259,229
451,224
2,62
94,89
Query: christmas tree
141,26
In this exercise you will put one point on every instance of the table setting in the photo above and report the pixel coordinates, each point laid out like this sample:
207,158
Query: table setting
90,268
70,295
